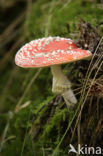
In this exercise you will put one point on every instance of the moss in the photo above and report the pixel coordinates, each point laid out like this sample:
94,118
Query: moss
61,16
48,133
53,125
50,123
50,129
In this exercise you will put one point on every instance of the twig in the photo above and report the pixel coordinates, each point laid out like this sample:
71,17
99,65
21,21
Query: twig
5,130
10,28
26,90
49,18
10,53
4,93
65,5
10,38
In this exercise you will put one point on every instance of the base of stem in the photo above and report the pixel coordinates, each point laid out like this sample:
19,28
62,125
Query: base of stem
69,98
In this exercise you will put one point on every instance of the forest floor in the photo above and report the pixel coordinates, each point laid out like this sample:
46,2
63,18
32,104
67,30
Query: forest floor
34,121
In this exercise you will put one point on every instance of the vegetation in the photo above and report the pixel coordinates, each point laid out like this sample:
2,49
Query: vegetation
33,121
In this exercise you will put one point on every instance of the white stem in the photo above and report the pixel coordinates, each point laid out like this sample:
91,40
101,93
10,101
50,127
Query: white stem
62,85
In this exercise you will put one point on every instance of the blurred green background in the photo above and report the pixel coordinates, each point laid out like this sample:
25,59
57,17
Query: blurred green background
23,92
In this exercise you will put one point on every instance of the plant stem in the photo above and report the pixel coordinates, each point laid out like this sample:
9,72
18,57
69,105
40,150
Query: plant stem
61,85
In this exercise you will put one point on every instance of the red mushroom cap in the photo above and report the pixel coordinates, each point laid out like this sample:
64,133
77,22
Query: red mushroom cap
49,51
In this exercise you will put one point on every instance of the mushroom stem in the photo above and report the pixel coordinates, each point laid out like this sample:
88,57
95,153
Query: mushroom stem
61,85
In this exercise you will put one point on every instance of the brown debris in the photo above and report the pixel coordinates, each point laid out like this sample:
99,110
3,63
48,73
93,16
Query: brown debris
89,37
97,89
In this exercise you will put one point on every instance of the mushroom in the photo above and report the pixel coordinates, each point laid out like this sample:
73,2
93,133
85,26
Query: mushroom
53,51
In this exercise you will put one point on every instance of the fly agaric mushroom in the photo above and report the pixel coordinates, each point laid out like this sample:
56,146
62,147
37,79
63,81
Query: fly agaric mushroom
53,51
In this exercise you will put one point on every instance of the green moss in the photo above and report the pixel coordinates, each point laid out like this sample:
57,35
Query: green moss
53,125
51,121
61,16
